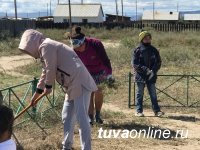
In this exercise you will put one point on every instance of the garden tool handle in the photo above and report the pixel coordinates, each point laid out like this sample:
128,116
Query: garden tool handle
25,109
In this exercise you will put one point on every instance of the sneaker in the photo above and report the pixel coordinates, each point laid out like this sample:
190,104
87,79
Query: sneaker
99,120
139,114
159,114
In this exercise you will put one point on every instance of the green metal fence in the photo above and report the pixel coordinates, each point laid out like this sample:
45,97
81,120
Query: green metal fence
172,91
18,97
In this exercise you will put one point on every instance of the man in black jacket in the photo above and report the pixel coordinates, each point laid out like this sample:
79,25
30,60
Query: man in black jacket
146,63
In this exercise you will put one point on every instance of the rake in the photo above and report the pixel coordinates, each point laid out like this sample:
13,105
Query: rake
29,106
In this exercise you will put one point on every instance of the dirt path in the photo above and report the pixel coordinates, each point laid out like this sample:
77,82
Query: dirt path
9,63
170,121
53,140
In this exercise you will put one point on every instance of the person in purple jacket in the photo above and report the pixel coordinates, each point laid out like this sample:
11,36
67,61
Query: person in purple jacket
93,55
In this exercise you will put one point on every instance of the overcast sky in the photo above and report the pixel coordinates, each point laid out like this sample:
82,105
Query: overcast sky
29,6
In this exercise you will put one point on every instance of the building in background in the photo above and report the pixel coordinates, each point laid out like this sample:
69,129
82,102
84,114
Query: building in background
81,13
192,17
45,18
160,17
114,18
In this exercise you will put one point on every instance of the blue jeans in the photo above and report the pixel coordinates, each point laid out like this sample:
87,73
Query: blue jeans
140,93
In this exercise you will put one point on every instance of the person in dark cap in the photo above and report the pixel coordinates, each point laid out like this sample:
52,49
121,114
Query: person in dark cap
146,62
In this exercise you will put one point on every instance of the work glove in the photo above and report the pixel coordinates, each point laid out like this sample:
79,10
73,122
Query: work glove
110,79
150,74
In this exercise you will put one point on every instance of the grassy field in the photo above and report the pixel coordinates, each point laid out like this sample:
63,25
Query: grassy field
180,55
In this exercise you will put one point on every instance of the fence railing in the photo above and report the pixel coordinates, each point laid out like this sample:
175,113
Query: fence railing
16,27
165,27
18,97
174,27
172,91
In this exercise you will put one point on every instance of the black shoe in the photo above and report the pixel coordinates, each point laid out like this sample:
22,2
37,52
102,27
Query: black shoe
99,120
91,122
91,119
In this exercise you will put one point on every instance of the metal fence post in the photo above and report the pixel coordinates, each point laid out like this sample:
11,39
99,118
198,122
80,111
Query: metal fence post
54,87
129,90
34,85
1,98
134,94
9,98
188,80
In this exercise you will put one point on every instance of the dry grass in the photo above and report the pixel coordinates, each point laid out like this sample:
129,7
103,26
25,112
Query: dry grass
31,137
179,52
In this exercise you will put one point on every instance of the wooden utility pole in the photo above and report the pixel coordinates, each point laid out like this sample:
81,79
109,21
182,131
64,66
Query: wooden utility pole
15,3
47,9
50,8
70,17
122,10
136,11
116,11
153,10
82,2
177,6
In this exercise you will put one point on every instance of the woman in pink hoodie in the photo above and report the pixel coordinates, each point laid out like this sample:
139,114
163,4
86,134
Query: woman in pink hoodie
61,63
93,55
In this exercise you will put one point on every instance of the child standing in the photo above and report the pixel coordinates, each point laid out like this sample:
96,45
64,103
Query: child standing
146,62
